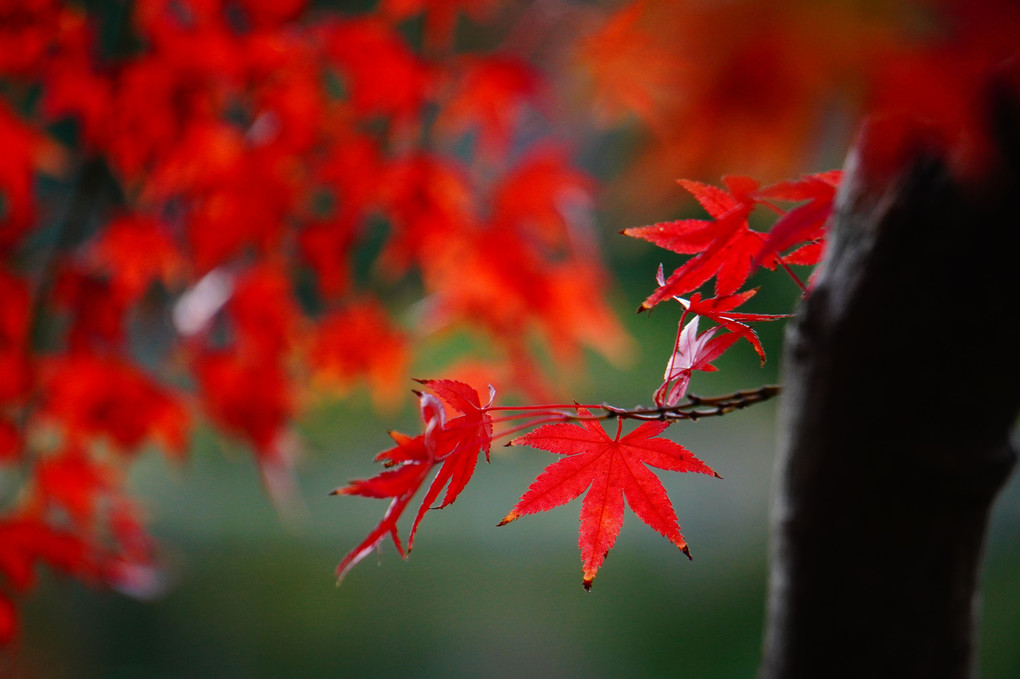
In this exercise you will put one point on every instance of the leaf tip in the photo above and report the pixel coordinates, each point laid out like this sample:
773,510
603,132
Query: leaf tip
586,583
512,516
686,550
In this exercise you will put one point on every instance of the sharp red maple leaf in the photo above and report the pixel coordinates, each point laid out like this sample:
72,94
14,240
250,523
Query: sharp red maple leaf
720,310
453,443
724,247
410,465
610,470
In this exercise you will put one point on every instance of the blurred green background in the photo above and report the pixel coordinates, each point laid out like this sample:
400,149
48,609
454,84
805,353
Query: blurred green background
251,594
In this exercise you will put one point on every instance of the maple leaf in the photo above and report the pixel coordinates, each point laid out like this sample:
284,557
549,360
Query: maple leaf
245,395
97,313
724,247
544,195
360,342
74,481
383,76
490,95
804,223
631,67
400,483
95,396
135,251
264,312
26,540
610,470
720,310
428,200
453,443
691,351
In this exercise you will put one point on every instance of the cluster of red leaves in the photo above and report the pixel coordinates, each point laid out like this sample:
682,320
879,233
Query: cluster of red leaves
186,190
727,249
750,83
612,470
608,469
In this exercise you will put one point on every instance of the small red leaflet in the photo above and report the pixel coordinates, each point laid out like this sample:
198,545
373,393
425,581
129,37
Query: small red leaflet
691,352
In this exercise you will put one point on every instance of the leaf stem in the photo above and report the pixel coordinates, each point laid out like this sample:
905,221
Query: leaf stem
788,270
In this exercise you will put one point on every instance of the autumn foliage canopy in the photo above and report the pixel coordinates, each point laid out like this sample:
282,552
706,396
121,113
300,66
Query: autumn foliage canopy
223,210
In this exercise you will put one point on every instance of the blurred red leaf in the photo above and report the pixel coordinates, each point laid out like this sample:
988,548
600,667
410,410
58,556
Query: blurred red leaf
360,342
92,395
490,94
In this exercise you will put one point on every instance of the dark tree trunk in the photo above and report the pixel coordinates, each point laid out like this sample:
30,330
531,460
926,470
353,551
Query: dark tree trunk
902,383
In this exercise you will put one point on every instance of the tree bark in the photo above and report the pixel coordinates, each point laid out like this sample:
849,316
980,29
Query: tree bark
901,387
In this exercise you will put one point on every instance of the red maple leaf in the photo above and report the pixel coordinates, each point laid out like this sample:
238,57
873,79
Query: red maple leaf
360,342
609,469
75,482
724,247
691,351
453,443
26,541
804,224
382,75
410,465
105,396
135,251
490,95
720,310
545,197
